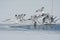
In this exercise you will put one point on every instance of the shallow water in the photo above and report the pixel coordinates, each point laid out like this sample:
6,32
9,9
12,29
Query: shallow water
52,27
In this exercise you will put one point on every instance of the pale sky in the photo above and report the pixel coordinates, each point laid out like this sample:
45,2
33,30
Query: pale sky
8,8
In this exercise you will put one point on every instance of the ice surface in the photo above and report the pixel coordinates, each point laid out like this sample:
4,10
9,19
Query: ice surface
29,35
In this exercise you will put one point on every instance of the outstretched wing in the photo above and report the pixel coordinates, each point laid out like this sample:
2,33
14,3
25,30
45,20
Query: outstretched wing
6,20
40,9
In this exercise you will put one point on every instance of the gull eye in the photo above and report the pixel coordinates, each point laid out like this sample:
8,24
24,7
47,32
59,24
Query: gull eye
15,15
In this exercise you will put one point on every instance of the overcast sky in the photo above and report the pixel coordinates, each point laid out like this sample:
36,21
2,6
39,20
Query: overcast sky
10,7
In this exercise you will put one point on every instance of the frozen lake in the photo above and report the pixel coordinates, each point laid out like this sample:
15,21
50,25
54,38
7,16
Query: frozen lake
29,35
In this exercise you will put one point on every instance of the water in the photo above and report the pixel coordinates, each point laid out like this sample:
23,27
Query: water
28,32
52,27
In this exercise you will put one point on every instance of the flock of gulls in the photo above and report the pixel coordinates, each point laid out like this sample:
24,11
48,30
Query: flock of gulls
41,18
46,17
38,21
